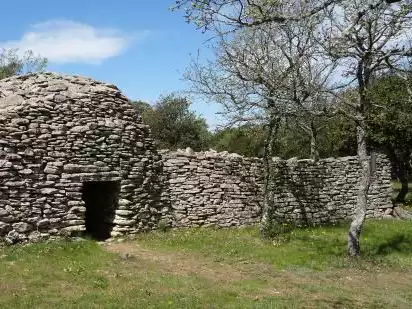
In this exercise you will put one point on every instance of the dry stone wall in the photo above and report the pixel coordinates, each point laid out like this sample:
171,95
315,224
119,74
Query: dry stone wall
307,192
222,189
212,188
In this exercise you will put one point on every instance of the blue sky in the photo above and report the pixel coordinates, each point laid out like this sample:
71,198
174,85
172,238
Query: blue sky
138,45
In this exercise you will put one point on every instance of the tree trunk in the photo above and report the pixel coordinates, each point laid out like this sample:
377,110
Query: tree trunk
363,188
267,158
402,174
314,153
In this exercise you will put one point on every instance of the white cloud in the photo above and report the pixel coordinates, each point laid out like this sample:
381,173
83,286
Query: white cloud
66,41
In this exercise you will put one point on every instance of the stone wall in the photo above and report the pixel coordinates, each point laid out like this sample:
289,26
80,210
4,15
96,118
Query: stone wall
304,191
222,189
212,188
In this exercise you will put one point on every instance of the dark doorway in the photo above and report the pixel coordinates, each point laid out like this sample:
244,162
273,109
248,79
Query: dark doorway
101,198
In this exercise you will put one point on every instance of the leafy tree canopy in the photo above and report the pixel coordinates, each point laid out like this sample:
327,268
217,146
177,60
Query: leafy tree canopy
173,124
247,140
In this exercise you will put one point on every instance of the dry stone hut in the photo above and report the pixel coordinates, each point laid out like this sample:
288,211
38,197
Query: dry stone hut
67,145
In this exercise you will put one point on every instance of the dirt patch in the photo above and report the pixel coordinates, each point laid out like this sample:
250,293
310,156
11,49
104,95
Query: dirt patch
8,287
179,263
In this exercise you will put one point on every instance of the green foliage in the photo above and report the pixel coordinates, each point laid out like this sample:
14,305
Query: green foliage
390,116
276,231
163,226
292,142
174,125
142,107
337,138
389,121
389,126
11,63
245,140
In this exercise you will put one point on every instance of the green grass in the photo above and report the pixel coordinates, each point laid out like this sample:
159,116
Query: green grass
384,242
209,268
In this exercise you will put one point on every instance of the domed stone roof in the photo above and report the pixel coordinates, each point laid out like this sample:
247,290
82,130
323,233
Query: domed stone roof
48,88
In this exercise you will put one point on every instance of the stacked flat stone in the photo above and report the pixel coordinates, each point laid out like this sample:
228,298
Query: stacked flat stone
308,192
57,132
210,188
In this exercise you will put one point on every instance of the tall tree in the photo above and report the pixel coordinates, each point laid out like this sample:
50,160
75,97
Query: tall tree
363,36
264,74
390,125
11,63
266,71
173,124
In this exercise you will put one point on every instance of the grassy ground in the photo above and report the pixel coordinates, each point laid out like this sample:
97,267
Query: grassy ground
207,268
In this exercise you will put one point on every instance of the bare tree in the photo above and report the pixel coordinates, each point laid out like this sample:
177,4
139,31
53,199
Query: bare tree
264,74
11,63
275,69
308,81
257,76
232,15
363,37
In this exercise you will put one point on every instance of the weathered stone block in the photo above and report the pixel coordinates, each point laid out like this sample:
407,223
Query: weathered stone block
22,227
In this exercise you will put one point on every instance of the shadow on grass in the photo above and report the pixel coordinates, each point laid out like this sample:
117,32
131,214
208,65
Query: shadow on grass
400,243
379,241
